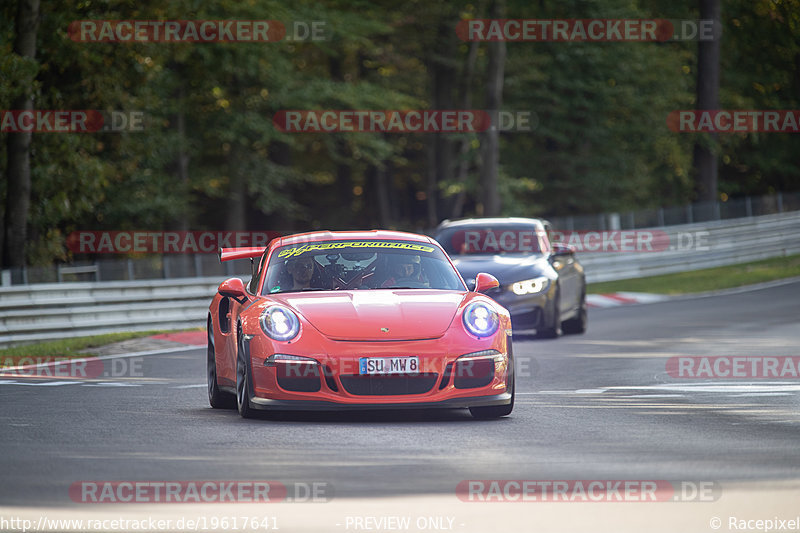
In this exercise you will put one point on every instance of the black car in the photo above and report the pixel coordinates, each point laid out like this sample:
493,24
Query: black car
541,284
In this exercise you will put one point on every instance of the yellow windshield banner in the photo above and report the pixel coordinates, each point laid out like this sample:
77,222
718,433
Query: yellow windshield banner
299,250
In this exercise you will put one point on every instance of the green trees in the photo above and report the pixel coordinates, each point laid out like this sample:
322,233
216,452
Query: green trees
210,157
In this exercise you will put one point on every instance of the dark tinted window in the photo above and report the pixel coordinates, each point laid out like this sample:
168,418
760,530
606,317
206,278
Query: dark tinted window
491,240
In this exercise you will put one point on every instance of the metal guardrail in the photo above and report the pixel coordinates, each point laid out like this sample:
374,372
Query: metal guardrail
120,267
721,243
59,310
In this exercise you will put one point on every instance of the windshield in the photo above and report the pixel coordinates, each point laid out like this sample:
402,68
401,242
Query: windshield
359,264
493,240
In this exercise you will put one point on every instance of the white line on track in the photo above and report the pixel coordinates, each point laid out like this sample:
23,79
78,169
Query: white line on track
112,384
101,358
38,384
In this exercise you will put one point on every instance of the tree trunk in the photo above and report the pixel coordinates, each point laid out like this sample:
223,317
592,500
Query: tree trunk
382,192
18,170
463,163
705,158
236,216
494,101
442,69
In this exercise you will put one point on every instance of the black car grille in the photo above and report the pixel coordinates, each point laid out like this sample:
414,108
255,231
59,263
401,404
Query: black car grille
531,319
393,385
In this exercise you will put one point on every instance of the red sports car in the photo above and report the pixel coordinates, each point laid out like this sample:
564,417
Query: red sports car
357,320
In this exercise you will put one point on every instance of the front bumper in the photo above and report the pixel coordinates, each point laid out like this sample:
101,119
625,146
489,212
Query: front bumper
316,405
527,311
442,381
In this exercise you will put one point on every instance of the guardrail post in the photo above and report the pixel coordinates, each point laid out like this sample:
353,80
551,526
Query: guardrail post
613,221
748,206
780,202
198,266
689,217
130,269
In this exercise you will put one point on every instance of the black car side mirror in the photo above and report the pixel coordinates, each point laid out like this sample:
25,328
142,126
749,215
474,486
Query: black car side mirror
561,250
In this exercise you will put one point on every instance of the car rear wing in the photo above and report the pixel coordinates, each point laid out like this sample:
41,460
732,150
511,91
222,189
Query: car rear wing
229,254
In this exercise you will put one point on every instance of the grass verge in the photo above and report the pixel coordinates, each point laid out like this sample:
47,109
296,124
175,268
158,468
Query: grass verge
69,348
709,279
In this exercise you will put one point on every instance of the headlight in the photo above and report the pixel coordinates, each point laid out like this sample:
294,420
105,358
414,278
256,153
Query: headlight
480,319
280,323
530,286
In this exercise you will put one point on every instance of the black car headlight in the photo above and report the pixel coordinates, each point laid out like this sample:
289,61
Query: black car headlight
279,323
480,319
530,286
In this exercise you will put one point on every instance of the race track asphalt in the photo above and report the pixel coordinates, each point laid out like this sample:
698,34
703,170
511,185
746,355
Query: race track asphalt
598,406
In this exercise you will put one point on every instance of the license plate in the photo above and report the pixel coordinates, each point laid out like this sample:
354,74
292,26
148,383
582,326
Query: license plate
388,365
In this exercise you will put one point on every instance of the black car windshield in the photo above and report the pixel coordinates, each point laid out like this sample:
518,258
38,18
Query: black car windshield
493,240
359,264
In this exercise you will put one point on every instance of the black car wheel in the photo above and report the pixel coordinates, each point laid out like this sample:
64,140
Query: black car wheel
551,330
578,324
216,397
243,382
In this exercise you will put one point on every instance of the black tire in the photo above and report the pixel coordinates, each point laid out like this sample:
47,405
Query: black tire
217,398
577,325
243,382
552,329
497,411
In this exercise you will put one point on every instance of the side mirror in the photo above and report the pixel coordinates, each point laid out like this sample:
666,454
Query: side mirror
484,282
233,288
560,250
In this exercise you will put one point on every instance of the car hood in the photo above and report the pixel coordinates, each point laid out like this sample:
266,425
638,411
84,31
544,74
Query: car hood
377,315
506,268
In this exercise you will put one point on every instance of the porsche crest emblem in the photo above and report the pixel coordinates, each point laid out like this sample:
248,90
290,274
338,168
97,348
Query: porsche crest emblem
384,330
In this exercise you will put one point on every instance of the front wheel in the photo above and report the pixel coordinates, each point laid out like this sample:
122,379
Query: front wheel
216,397
243,383
551,330
578,324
